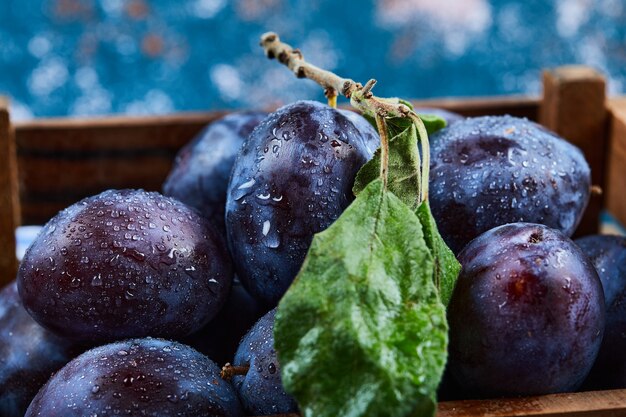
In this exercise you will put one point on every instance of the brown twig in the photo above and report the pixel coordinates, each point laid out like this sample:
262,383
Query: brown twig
229,371
360,96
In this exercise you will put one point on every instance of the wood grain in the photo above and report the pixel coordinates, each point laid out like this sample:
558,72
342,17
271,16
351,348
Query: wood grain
61,161
583,404
9,203
574,106
616,169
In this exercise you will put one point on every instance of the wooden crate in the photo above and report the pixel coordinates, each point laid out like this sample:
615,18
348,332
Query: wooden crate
46,165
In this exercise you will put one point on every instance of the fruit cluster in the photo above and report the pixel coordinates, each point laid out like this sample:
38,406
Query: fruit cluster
156,290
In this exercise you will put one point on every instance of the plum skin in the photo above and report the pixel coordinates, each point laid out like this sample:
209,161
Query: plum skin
29,354
527,313
608,255
148,377
493,170
220,338
125,263
292,179
200,173
261,390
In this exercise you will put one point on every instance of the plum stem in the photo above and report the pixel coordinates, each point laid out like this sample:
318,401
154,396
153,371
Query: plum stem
384,148
229,371
360,96
332,101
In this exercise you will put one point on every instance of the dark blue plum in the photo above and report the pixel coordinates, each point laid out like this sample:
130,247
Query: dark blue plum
220,338
139,377
608,255
29,354
365,128
448,116
527,314
200,173
124,264
292,179
261,390
489,171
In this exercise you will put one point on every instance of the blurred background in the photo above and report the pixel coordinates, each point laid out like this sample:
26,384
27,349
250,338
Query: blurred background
98,57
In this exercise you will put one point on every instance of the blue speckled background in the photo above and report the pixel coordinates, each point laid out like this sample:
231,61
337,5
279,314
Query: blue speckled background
96,57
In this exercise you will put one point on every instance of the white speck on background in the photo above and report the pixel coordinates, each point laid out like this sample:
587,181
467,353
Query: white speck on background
227,80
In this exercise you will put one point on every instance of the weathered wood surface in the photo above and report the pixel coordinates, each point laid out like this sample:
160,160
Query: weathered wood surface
616,163
9,203
583,404
62,161
574,106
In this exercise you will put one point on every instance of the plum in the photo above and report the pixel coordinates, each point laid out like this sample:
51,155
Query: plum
527,314
292,179
220,337
608,255
489,171
29,354
201,170
261,390
126,263
448,116
143,377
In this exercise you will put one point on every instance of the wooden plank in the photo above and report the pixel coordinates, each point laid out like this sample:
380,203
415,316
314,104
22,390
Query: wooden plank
9,204
520,106
616,169
64,160
52,184
574,106
610,403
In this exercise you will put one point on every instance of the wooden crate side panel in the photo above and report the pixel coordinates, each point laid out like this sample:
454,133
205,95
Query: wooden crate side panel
521,106
574,106
62,161
610,403
616,168
9,203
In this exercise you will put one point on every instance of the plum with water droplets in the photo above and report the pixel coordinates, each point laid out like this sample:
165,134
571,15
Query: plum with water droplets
261,390
608,255
202,168
139,377
493,170
292,179
527,314
29,354
448,116
126,263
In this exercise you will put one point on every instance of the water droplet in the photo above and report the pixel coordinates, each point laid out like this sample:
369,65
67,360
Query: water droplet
96,281
266,227
247,184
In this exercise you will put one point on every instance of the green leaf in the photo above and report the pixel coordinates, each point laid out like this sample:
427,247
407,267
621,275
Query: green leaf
362,331
446,265
404,182
432,122
404,168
